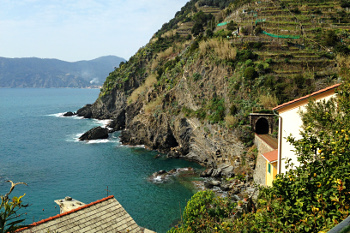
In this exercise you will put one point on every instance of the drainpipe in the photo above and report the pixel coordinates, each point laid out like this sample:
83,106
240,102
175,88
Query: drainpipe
279,142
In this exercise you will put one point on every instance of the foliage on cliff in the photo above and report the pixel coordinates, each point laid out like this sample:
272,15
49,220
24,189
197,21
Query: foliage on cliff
246,71
206,211
312,197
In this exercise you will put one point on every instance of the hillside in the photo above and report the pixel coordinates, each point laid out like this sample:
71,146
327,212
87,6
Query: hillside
36,72
189,91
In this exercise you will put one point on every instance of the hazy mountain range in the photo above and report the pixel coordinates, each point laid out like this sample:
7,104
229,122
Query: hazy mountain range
46,73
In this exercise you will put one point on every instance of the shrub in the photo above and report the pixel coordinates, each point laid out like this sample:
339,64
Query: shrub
244,31
233,109
268,101
231,26
149,82
205,211
245,134
217,110
345,3
269,61
295,10
230,121
331,38
258,30
222,33
151,106
248,63
197,76
244,55
197,29
250,73
260,67
342,49
209,33
193,47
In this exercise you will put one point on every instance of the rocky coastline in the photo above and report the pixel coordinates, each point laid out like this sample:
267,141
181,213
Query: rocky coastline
177,136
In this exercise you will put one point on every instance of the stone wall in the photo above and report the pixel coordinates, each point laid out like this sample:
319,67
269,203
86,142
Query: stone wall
259,175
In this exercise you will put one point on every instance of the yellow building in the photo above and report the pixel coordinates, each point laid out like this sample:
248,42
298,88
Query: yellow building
271,166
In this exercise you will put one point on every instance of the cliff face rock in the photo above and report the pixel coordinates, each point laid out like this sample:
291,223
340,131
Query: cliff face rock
189,93
176,135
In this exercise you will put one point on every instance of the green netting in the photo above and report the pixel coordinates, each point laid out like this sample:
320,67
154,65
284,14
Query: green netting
260,20
281,36
222,24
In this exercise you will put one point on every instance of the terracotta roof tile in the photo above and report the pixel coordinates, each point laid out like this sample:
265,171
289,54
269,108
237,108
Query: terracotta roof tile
306,97
271,156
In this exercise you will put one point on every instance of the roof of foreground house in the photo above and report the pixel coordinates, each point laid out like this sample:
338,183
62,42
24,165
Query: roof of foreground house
307,97
105,215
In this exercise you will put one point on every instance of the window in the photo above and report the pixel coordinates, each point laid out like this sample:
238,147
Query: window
269,168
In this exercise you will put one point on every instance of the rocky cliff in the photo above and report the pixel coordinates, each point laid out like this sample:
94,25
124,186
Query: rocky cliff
189,91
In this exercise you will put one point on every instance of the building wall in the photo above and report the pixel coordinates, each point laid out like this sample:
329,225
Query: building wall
292,125
270,176
259,175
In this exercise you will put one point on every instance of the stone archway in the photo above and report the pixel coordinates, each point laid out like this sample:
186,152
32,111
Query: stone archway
262,126
262,123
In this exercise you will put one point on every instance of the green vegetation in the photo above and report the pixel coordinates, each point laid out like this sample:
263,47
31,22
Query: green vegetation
10,220
204,212
312,197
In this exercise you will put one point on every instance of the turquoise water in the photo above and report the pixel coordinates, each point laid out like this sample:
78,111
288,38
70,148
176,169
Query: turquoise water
41,148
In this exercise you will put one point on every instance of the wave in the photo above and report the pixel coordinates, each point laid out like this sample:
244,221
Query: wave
111,139
61,115
57,114
133,146
97,122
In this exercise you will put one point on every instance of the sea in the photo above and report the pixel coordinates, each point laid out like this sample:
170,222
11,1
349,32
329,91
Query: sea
40,147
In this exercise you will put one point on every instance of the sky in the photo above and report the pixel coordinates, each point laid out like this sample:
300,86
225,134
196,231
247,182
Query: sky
74,30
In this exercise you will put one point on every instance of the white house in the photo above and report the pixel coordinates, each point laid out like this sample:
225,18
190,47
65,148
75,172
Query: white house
290,123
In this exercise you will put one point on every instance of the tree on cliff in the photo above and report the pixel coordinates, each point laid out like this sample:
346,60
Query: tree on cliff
9,217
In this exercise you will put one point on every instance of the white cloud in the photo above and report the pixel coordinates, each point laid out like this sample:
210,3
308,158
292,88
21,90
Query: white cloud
81,29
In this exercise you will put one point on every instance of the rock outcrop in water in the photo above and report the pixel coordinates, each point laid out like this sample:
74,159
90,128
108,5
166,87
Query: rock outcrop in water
68,114
94,134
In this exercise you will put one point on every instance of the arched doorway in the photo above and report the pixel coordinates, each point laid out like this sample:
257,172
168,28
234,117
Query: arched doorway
262,126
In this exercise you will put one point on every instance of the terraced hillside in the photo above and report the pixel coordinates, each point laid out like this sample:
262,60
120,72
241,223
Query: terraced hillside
305,23
190,90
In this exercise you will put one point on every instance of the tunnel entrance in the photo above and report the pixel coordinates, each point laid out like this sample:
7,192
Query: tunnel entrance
262,126
262,123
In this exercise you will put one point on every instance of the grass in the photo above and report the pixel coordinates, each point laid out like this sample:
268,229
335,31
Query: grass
222,48
268,101
149,82
151,106
230,121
